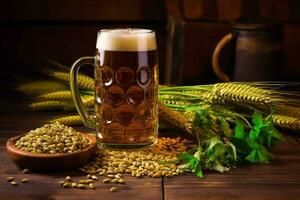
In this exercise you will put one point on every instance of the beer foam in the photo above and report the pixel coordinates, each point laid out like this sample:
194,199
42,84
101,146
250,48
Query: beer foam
126,40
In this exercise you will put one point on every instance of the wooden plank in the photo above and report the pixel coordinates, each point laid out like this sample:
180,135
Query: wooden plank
240,188
292,139
173,8
297,138
199,10
200,40
156,10
45,186
76,10
211,179
278,180
229,9
275,9
6,165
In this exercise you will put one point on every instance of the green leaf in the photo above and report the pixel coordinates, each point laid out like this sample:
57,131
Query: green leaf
199,172
192,162
219,156
239,131
271,136
259,154
258,122
184,156
257,119
213,142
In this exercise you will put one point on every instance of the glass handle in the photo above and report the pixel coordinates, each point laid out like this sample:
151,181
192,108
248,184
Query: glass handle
88,120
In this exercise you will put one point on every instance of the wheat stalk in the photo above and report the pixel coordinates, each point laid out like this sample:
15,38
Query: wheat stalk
240,93
171,118
84,81
64,95
40,87
88,101
237,95
287,121
70,120
171,99
47,105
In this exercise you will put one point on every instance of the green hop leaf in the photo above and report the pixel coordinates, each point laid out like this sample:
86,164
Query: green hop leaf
192,162
259,154
239,131
258,122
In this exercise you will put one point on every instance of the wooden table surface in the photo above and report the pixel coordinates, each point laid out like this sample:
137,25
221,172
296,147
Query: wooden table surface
277,180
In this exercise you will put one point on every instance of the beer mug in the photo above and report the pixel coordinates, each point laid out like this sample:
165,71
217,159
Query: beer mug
126,88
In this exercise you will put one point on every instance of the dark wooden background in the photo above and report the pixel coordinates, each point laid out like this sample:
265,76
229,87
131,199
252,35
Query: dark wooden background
66,30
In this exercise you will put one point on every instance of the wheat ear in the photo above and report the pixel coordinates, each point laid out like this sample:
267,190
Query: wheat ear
48,105
41,87
70,120
64,95
240,93
170,118
287,122
84,81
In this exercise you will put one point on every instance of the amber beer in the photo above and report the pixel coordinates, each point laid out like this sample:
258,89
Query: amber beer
126,75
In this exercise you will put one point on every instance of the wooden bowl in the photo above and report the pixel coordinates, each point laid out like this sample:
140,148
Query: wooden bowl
50,162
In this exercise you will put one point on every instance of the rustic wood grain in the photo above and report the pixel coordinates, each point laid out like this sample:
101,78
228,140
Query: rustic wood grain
45,186
185,188
278,180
